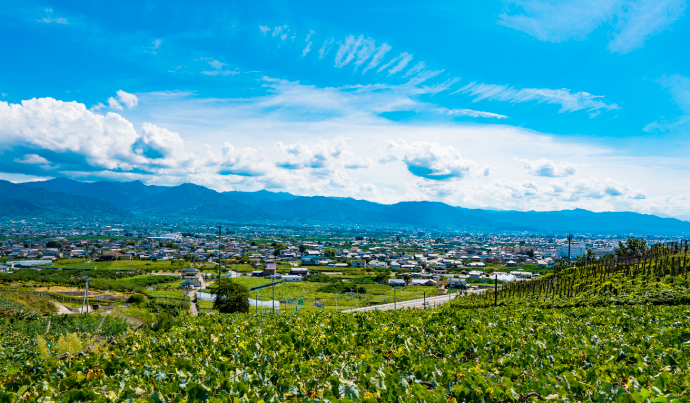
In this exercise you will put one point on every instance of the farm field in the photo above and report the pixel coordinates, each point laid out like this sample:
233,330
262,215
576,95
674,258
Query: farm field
622,353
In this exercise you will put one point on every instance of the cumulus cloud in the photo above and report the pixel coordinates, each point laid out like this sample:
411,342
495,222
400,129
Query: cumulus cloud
130,100
633,21
264,29
113,104
431,160
33,159
568,100
97,107
318,155
548,168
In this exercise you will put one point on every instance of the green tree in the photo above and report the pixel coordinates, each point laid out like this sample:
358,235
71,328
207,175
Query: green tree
231,297
53,244
633,246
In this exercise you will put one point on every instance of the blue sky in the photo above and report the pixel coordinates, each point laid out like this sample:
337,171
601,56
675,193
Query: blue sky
524,105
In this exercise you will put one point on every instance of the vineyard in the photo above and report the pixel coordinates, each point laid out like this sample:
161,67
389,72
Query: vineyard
625,353
658,276
615,330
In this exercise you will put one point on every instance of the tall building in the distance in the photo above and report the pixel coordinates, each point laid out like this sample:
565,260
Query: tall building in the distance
576,249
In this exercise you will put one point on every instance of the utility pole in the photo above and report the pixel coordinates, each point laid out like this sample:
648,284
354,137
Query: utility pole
570,238
496,290
395,297
86,295
424,304
219,255
273,285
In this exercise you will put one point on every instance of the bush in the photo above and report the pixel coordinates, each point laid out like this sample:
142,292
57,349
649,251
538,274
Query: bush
136,299
71,344
231,297
165,322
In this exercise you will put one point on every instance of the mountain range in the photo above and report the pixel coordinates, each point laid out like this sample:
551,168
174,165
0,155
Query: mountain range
63,196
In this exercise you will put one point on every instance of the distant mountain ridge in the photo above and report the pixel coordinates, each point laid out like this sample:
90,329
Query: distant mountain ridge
19,200
194,201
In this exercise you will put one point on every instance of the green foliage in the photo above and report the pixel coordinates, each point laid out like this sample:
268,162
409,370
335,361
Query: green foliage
633,246
165,322
609,354
42,347
231,297
70,343
136,299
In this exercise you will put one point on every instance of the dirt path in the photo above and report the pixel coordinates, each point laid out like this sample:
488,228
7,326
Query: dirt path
193,308
62,310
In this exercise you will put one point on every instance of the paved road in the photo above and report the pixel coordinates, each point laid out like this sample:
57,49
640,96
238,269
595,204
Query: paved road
414,303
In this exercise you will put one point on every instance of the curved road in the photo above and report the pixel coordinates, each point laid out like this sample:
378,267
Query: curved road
414,303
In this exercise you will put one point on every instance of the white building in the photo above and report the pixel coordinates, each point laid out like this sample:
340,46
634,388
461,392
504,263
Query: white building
576,249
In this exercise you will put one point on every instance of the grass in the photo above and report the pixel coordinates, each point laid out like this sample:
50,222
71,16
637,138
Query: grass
376,294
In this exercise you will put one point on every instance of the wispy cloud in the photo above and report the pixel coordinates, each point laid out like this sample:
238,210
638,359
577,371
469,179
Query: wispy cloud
378,56
281,32
679,87
634,21
218,69
308,47
327,45
404,58
569,101
470,113
264,29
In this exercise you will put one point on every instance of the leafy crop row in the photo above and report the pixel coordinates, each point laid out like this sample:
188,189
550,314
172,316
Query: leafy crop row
623,354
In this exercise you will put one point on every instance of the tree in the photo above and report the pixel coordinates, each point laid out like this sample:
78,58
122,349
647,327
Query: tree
231,297
633,246
53,244
530,253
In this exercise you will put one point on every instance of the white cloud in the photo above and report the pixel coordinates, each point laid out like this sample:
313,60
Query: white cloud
415,69
318,155
634,21
568,100
378,56
679,87
449,163
264,29
347,50
327,45
113,104
431,160
308,47
281,32
470,113
130,100
548,168
58,20
642,19
97,107
32,159
218,69
156,43
404,58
